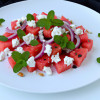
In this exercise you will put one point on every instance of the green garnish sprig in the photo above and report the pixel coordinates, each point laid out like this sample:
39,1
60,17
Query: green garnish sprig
30,17
98,34
98,59
1,21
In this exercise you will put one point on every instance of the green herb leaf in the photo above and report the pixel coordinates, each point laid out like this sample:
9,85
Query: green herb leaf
50,15
98,34
25,55
19,65
64,34
57,22
34,42
16,56
20,33
57,39
30,17
1,21
98,59
70,45
44,23
3,38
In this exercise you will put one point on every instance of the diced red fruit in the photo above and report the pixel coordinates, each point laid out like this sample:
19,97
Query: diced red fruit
32,30
35,18
13,24
31,69
55,49
81,27
69,37
47,33
65,19
88,44
79,55
84,37
45,60
60,66
34,50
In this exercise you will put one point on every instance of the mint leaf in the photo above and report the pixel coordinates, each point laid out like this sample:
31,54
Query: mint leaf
3,38
57,22
30,17
98,34
34,42
19,65
57,39
20,33
25,55
50,15
98,59
1,21
64,34
16,56
70,45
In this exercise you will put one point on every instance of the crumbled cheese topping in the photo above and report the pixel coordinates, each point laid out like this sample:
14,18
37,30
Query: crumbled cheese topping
6,51
9,53
68,60
28,38
55,58
2,56
31,62
20,50
47,70
78,31
48,49
31,23
41,16
15,42
73,26
41,35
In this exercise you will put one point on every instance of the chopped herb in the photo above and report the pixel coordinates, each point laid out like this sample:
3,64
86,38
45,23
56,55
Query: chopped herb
98,59
30,17
98,34
1,21
34,42
3,38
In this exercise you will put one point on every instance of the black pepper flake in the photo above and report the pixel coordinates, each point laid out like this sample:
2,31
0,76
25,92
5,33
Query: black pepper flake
55,46
79,55
74,66
44,59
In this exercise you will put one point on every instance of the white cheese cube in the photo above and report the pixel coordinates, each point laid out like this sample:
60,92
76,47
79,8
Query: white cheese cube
20,50
15,42
41,16
47,70
31,23
78,31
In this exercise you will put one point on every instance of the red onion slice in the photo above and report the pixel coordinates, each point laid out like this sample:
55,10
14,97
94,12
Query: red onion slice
12,36
24,25
23,43
11,31
49,41
78,41
41,52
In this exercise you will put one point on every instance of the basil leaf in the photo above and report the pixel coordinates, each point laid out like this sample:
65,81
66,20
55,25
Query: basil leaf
25,55
34,42
16,56
70,45
1,21
50,15
57,22
19,65
98,34
98,59
30,17
20,33
3,38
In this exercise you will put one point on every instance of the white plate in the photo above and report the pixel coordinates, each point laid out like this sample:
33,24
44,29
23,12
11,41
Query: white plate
69,80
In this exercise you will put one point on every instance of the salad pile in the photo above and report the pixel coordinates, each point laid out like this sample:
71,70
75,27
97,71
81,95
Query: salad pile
39,41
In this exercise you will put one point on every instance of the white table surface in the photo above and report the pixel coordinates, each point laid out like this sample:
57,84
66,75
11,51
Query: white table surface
90,92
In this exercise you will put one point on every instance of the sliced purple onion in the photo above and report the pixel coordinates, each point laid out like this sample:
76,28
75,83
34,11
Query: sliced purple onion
11,31
41,52
23,43
24,25
78,41
70,30
49,41
12,36
66,22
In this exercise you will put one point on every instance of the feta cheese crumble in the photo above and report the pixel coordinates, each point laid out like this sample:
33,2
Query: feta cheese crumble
6,51
41,35
55,58
41,16
68,60
2,56
31,62
28,38
20,50
73,26
9,53
57,31
47,70
48,49
78,31
31,23
15,42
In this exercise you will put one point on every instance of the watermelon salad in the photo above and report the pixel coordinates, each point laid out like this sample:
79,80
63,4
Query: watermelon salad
39,41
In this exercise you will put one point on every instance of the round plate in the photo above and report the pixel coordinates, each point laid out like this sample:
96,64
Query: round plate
68,80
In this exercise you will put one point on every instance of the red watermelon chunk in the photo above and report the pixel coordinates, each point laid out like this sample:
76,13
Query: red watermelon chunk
35,18
34,50
32,30
69,37
81,27
84,37
60,66
88,44
45,60
79,55
55,49
13,24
